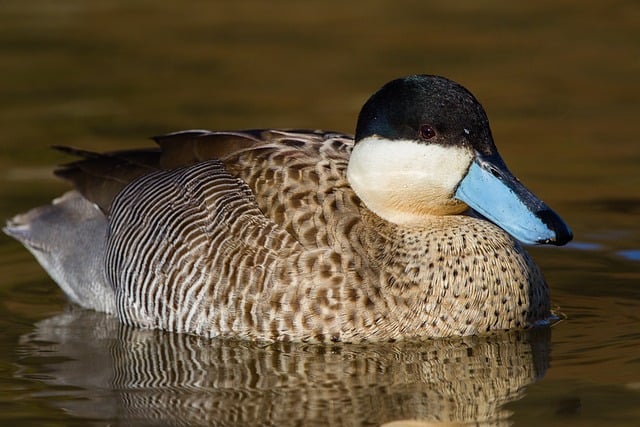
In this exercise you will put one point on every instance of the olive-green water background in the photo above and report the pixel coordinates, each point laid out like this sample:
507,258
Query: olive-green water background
560,81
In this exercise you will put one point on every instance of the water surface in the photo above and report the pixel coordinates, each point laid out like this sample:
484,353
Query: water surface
560,83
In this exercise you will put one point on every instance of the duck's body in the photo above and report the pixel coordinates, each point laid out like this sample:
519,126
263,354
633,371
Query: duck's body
283,235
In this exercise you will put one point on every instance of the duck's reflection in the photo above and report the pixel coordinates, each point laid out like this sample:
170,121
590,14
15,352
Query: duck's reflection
144,377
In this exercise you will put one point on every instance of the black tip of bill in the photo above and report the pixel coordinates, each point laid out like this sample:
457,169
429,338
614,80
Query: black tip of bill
563,234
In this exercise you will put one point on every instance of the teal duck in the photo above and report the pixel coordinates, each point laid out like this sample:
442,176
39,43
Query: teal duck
411,229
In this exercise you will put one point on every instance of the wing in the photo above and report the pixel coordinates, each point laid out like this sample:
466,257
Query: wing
298,177
189,250
99,177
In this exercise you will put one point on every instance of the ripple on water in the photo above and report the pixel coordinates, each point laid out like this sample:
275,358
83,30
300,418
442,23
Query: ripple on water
630,254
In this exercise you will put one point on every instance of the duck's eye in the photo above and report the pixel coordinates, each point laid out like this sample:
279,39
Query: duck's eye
427,131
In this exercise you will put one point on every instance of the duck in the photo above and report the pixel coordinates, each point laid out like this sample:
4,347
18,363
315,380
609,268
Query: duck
413,228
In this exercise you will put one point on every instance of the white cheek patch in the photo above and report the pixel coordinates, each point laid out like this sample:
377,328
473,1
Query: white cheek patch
405,177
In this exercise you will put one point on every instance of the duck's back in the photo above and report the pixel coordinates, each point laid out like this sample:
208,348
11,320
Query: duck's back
230,247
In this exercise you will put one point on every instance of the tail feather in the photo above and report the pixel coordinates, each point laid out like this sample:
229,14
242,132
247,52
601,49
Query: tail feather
99,177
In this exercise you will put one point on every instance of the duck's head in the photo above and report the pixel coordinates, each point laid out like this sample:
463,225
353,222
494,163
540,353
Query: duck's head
424,147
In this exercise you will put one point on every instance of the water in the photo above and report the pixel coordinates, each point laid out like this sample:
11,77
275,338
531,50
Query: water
560,83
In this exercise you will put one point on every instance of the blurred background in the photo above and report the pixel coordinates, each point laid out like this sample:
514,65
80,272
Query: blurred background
559,80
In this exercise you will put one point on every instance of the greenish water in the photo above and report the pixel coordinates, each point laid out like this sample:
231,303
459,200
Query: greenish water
560,83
